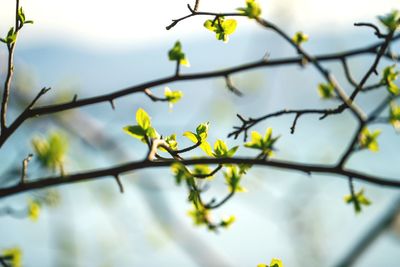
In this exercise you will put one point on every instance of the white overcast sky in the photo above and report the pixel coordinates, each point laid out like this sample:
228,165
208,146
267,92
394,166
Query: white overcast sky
127,22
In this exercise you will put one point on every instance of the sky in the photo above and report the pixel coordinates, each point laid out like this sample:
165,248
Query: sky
129,22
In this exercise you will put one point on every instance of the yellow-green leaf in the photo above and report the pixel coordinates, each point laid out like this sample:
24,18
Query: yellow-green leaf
143,119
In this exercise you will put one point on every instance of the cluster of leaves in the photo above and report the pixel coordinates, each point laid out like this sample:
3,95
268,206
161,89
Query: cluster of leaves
357,199
265,144
391,20
22,19
176,54
51,151
172,96
224,27
389,76
394,115
221,27
201,212
368,139
300,38
143,130
252,9
11,37
12,256
326,90
273,263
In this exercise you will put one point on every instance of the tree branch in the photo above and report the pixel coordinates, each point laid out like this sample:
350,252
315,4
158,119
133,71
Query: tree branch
144,164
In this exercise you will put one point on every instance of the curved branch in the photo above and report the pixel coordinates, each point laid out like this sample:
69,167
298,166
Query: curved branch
109,98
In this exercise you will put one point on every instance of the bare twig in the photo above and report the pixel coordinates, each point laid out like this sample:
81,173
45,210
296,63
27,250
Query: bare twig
25,163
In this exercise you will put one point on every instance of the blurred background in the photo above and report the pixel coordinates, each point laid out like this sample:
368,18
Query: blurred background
94,47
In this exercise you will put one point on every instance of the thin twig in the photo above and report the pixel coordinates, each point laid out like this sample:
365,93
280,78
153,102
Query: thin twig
25,163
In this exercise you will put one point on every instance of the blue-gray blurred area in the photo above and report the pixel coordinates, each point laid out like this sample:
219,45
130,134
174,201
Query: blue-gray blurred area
300,219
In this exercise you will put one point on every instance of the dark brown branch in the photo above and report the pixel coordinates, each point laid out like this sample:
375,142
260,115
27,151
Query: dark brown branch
137,165
293,128
120,186
187,149
374,27
373,67
205,75
250,122
347,73
195,13
362,122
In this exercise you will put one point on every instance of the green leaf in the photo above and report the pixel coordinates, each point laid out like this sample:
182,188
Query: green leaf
232,178
229,26
394,115
152,133
389,76
391,20
221,150
243,168
33,210
276,263
326,90
176,54
202,131
209,24
172,96
192,137
228,221
300,38
206,147
180,172
252,9
358,199
15,254
265,144
232,151
51,150
135,131
368,140
171,141
199,215
11,37
143,119
222,28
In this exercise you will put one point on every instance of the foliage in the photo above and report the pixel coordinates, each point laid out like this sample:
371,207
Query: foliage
326,90
222,28
51,150
196,173
176,54
274,263
358,199
15,256
368,140
300,38
252,9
